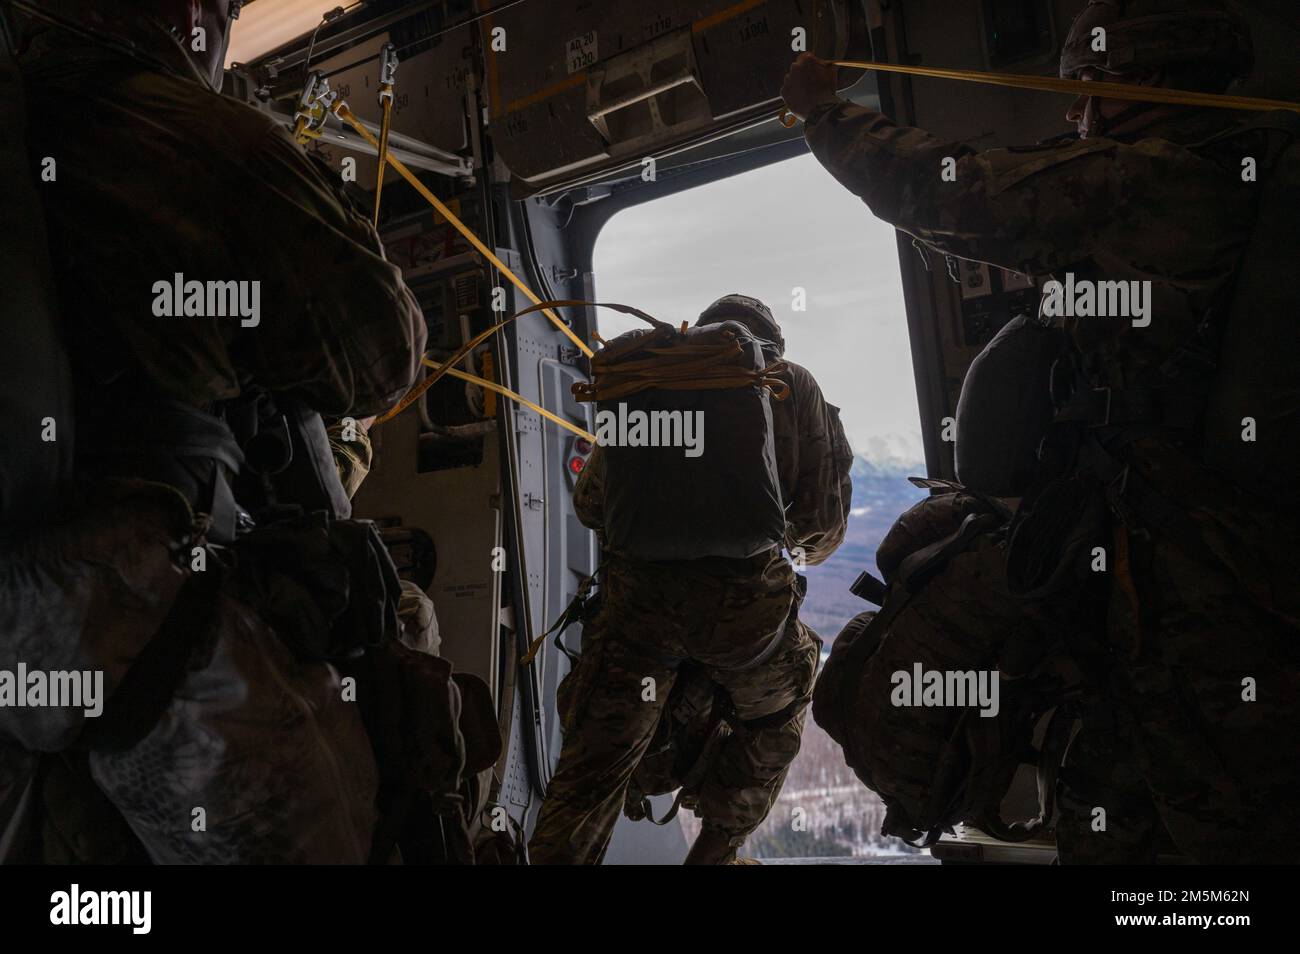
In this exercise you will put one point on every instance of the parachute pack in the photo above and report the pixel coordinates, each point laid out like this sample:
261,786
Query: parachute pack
684,419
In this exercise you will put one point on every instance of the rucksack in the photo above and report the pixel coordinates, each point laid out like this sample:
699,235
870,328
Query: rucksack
947,610
684,419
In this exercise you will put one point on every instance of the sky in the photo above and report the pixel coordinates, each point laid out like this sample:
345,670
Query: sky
764,233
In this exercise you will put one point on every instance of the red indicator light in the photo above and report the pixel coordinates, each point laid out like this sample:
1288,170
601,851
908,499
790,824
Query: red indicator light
576,464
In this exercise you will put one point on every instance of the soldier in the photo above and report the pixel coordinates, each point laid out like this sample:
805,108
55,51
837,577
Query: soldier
725,615
234,743
1148,407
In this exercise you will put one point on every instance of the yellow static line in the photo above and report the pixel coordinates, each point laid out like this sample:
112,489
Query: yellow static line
343,112
519,398
1055,84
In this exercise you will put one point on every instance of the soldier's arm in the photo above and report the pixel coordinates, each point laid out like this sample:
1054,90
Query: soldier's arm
340,329
1031,210
818,513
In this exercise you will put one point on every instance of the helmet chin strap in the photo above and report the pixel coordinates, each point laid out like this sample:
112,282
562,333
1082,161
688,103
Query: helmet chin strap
1102,124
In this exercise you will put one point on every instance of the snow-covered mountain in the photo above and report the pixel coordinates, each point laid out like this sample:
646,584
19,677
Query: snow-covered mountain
881,492
823,809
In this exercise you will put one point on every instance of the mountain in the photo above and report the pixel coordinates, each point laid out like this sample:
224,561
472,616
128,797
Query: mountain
823,808
881,492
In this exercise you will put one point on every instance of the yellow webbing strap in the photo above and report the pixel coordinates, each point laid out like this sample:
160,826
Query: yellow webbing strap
387,79
446,368
1056,84
344,113
414,394
385,125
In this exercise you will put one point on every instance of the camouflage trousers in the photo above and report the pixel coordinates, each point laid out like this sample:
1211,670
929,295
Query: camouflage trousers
651,620
1107,816
1209,678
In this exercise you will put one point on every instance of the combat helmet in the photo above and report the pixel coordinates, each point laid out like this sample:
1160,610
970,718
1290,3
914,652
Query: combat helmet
1144,35
750,312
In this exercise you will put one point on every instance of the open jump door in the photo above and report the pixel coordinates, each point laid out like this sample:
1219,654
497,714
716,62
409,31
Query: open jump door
580,97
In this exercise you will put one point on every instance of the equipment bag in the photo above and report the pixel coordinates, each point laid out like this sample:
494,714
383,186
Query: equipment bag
947,610
684,419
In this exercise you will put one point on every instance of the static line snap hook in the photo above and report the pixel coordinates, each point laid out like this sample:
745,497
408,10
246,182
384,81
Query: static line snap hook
387,71
314,107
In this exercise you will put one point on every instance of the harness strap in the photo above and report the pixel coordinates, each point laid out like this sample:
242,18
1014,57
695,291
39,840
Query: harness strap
572,613
694,777
145,691
1106,407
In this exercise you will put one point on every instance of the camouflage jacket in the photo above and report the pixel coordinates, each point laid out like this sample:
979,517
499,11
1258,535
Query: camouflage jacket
156,175
1168,205
813,460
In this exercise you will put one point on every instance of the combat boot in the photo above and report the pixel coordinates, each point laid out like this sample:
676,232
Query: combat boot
715,847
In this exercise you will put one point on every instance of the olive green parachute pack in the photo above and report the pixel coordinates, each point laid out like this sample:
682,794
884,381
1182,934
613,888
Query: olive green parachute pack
684,419
947,610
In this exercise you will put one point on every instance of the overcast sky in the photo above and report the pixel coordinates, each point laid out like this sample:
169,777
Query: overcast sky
762,234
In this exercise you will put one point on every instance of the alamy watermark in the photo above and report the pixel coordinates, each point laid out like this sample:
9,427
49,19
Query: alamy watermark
637,428
946,688
195,299
77,907
60,689
1083,298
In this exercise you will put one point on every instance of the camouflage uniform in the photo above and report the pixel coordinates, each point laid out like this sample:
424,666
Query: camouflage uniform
1167,204
720,614
158,175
